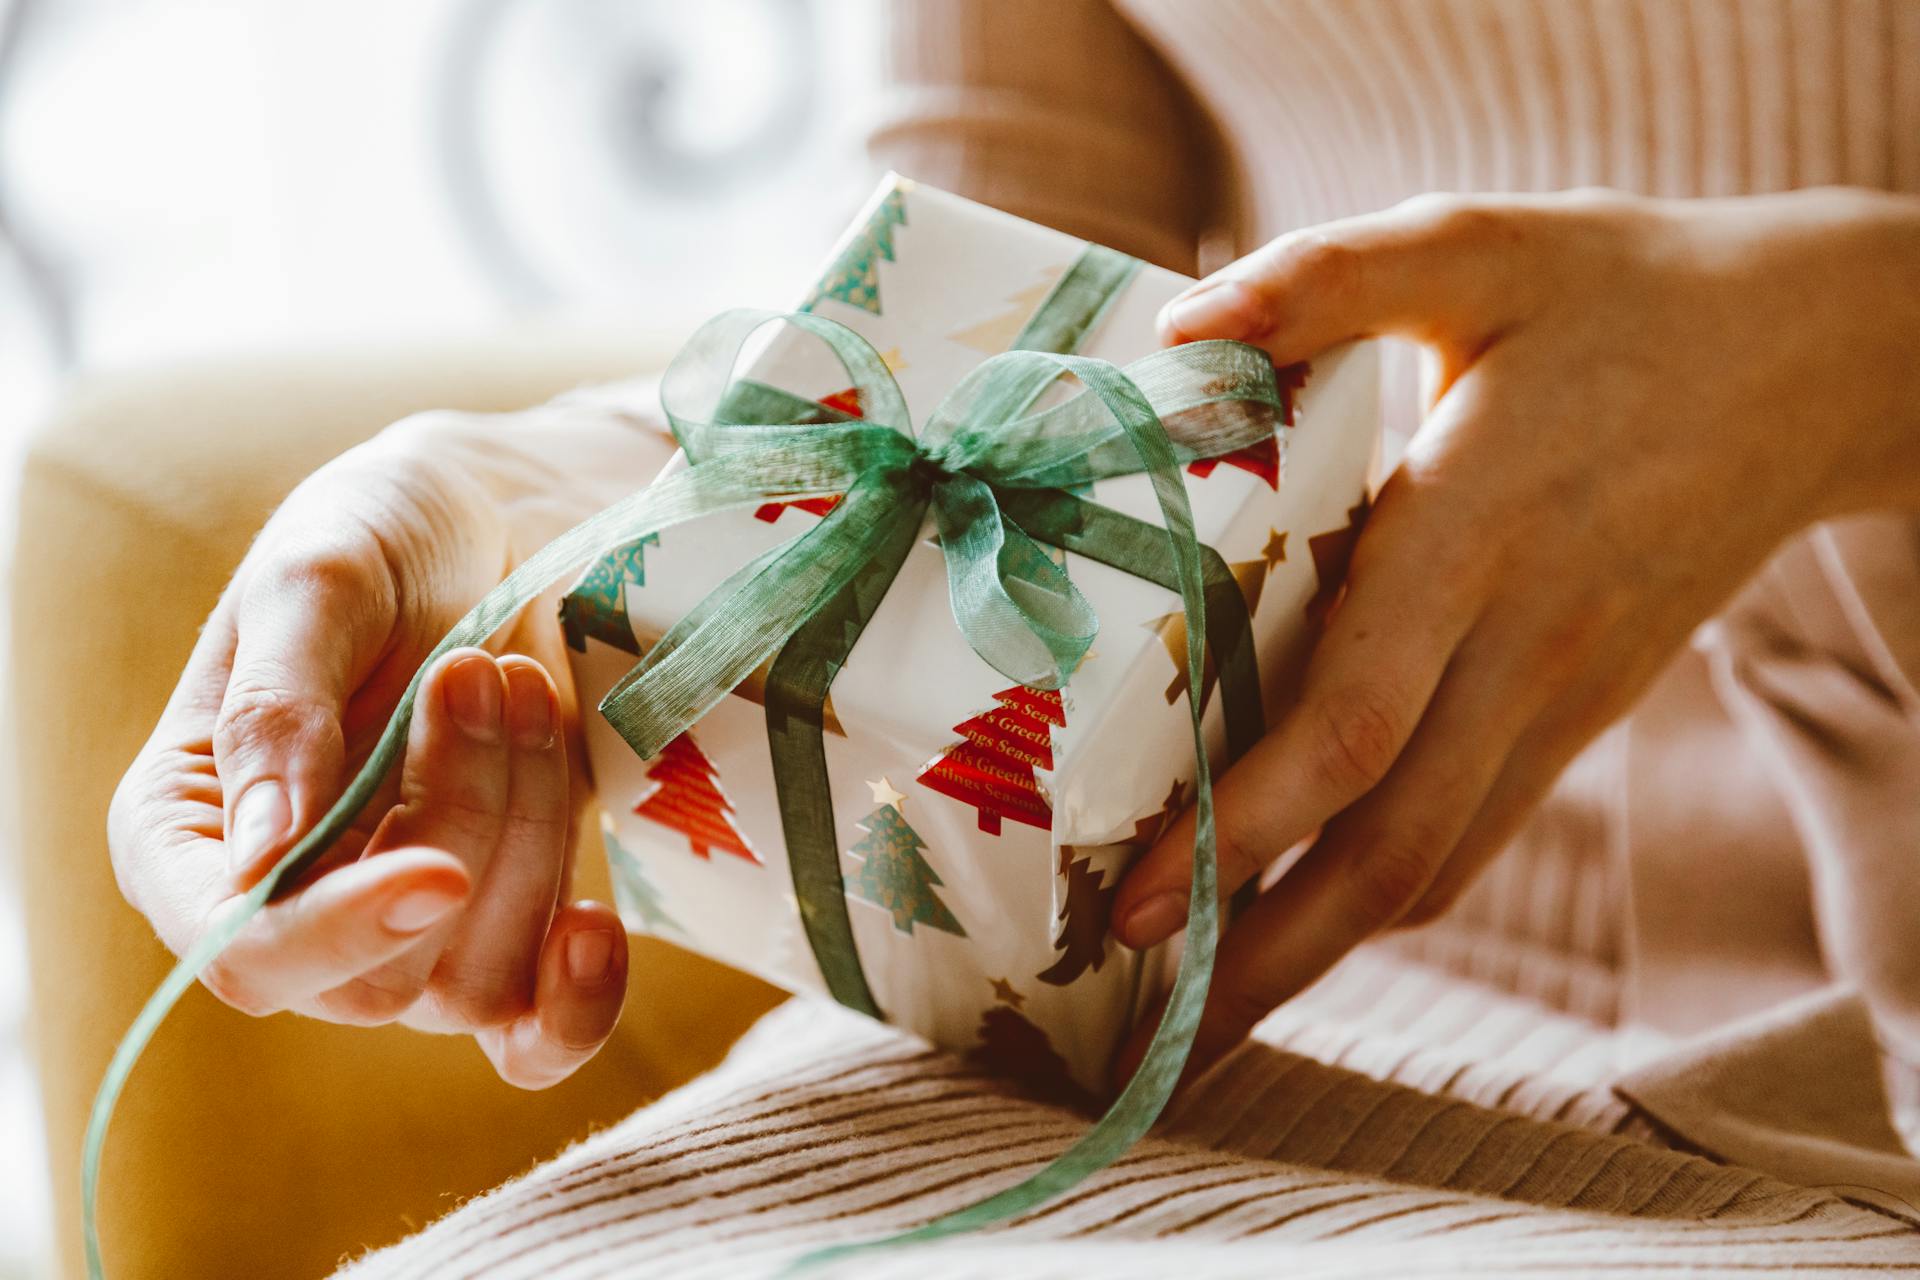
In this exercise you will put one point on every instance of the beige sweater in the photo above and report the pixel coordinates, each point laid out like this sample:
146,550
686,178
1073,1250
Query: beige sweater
1190,132
1504,1091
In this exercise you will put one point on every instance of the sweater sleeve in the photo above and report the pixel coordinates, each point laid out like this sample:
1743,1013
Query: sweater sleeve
1058,112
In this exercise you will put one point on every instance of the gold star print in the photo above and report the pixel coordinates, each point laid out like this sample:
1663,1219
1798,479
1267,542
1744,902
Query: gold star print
883,793
1275,552
1003,992
892,358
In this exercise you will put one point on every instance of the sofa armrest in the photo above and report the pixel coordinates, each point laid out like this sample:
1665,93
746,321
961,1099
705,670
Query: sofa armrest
256,1148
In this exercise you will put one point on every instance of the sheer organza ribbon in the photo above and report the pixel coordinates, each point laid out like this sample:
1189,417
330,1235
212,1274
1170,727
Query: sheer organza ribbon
993,465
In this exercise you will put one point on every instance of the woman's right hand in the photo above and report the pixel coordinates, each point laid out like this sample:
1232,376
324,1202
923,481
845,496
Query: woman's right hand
446,907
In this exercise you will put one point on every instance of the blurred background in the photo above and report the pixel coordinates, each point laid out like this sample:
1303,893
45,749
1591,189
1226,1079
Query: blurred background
198,178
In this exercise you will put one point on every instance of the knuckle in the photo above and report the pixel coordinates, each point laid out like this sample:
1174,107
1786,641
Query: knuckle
258,709
1568,646
1322,265
1243,1004
1357,732
1384,879
1431,207
1476,224
422,435
1450,220
470,822
369,1000
234,990
125,822
1239,858
1595,200
314,573
476,993
1430,906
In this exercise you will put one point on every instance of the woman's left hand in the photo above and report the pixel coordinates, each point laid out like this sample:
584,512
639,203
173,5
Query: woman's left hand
1639,401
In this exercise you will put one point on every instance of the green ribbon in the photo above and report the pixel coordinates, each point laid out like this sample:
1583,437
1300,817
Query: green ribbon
990,464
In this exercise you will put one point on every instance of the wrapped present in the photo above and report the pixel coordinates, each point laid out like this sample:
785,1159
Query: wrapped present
856,734
976,827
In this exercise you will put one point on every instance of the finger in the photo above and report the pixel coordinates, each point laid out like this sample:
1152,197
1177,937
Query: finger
165,820
1446,269
350,920
454,786
582,981
486,974
1528,777
1372,862
1415,587
307,623
1614,680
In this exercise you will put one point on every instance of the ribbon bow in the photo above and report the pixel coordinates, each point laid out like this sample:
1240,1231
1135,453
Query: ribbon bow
985,453
993,463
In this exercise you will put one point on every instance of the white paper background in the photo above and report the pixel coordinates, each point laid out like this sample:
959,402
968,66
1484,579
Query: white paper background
912,676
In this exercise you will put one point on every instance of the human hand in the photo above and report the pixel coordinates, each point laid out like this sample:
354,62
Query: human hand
1638,401
445,908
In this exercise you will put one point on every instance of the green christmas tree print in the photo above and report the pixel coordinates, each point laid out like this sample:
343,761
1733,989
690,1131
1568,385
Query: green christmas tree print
854,276
636,896
895,877
598,606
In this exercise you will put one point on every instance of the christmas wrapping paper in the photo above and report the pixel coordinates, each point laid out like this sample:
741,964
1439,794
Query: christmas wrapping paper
983,827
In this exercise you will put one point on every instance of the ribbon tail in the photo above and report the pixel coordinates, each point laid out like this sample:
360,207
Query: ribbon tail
1144,1097
1135,547
695,666
796,692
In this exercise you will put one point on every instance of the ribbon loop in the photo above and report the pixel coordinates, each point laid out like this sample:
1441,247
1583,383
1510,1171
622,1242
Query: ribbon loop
694,389
690,671
1016,607
1211,398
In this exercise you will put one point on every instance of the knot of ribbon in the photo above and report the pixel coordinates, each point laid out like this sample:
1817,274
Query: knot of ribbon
997,445
996,465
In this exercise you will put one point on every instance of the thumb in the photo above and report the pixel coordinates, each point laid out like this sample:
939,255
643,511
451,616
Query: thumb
306,626
1448,271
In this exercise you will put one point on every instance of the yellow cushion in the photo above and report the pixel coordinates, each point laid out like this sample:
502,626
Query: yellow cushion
257,1148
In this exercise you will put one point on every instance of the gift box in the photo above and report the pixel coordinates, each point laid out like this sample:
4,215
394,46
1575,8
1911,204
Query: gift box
981,827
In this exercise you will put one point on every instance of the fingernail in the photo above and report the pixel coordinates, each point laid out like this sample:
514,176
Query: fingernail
1227,309
260,821
1155,920
529,708
589,956
473,696
415,910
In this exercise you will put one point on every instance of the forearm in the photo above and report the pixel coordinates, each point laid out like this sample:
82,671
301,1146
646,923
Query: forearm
1887,360
1836,272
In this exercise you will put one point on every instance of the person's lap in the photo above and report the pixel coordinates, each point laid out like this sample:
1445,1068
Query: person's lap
1440,1099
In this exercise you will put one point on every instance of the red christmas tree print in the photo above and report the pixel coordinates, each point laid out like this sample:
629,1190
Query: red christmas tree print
847,402
1262,458
686,797
991,767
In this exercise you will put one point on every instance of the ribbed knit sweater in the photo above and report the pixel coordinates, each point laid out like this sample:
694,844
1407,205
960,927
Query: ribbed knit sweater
1502,1092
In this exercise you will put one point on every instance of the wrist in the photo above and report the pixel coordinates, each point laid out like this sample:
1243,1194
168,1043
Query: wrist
540,470
1877,341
